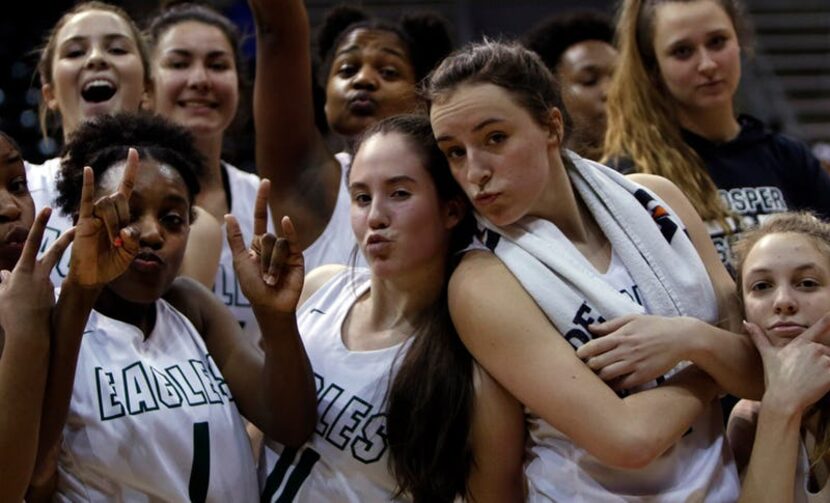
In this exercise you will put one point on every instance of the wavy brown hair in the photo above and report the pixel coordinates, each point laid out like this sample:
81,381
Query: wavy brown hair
818,231
642,119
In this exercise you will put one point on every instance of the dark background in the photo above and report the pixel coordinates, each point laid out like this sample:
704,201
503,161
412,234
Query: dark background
765,93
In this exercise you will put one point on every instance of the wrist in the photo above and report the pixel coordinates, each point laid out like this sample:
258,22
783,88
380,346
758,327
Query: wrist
781,403
693,336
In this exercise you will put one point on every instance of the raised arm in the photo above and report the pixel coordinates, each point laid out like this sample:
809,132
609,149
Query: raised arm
290,151
103,249
635,350
26,300
514,341
275,388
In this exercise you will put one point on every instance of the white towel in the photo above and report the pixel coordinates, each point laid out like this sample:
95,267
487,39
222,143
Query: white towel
649,239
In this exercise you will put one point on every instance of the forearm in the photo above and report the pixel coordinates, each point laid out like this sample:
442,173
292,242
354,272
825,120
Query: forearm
69,319
730,358
652,421
288,380
23,370
770,476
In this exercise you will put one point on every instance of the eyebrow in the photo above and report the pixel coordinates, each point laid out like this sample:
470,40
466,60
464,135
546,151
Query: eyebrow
355,47
108,37
390,181
478,127
189,53
802,267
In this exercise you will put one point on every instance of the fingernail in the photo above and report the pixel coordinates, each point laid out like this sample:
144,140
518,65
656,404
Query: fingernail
117,242
270,280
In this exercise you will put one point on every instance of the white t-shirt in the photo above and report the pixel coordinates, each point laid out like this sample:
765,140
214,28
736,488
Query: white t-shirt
346,459
698,468
152,419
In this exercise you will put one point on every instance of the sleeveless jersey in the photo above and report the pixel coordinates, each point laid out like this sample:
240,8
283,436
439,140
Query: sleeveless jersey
152,419
336,243
346,458
802,476
42,180
698,468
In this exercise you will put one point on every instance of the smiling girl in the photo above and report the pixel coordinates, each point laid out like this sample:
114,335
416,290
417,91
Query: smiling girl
198,77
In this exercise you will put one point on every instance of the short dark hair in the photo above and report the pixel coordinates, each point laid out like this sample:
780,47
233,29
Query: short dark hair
425,35
104,141
553,36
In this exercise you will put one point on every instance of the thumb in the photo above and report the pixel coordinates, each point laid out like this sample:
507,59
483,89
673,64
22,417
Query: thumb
819,331
759,338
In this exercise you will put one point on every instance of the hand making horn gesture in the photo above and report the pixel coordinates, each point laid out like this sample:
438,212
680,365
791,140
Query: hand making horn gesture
105,244
271,271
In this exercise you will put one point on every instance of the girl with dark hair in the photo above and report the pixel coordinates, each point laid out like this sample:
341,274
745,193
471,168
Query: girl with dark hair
149,368
782,443
578,48
26,300
198,78
404,412
671,113
369,71
567,244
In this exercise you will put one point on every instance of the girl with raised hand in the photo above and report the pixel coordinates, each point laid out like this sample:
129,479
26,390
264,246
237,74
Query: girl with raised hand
369,69
782,443
26,301
198,77
569,243
149,367
671,113
404,412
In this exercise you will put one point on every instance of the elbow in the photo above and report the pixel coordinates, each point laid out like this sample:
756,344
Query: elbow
632,453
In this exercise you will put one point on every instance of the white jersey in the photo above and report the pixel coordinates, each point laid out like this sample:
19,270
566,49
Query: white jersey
337,242
346,459
152,419
802,476
698,468
242,187
42,180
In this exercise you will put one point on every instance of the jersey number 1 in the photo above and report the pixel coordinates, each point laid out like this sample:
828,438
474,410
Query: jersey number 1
200,471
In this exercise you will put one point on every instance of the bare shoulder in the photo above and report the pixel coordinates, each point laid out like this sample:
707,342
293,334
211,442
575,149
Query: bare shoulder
317,278
477,268
663,187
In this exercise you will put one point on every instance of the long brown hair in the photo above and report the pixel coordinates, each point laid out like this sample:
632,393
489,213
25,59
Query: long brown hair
818,231
430,398
642,120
